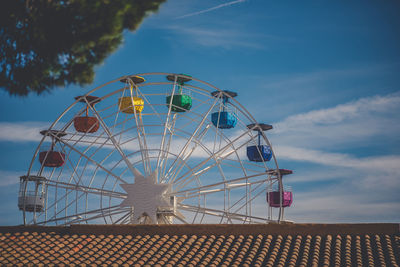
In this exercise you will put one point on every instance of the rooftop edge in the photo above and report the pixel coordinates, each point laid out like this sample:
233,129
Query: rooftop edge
215,229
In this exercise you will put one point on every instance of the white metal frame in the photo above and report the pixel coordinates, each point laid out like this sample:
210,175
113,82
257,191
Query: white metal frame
207,168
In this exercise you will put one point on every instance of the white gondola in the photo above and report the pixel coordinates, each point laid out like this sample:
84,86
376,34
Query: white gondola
32,193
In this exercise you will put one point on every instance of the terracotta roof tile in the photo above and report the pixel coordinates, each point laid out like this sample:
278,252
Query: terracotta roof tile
325,247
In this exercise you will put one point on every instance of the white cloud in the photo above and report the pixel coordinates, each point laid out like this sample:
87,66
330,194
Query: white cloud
383,171
333,206
320,78
344,124
9,177
211,9
365,185
22,131
388,163
353,110
226,38
306,137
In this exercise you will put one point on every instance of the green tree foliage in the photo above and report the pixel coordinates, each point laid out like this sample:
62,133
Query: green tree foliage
45,43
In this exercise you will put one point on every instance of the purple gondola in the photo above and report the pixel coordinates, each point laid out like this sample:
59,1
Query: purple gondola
273,199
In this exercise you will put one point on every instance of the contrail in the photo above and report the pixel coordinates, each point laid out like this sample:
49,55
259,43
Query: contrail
211,9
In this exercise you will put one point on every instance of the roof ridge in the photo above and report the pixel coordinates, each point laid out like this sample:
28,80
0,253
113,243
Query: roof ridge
216,229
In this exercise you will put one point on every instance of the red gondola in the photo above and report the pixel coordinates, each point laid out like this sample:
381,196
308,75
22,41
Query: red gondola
87,124
52,158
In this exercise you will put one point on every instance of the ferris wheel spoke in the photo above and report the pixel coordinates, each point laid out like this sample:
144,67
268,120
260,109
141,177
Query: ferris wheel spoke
168,127
134,171
74,171
101,164
221,213
78,217
218,187
95,163
149,104
219,154
127,220
84,152
87,189
181,163
65,197
193,119
141,136
250,199
218,133
159,116
59,200
122,130
181,219
123,218
93,140
246,198
103,214
197,171
195,132
165,155
165,145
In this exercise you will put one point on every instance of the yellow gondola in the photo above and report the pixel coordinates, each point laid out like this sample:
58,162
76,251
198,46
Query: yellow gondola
131,104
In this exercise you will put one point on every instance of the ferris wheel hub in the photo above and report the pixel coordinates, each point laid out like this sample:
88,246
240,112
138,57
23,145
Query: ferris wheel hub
147,198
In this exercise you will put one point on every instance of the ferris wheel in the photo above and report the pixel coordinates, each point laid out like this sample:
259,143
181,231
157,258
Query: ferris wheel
154,148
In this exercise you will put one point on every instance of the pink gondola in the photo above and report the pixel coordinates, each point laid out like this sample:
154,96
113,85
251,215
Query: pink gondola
273,199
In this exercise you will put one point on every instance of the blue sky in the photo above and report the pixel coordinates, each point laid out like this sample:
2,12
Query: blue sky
325,74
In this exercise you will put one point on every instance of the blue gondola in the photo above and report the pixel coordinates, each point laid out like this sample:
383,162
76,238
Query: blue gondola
224,119
260,152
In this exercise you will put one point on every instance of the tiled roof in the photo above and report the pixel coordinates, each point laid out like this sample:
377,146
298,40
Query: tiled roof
207,245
